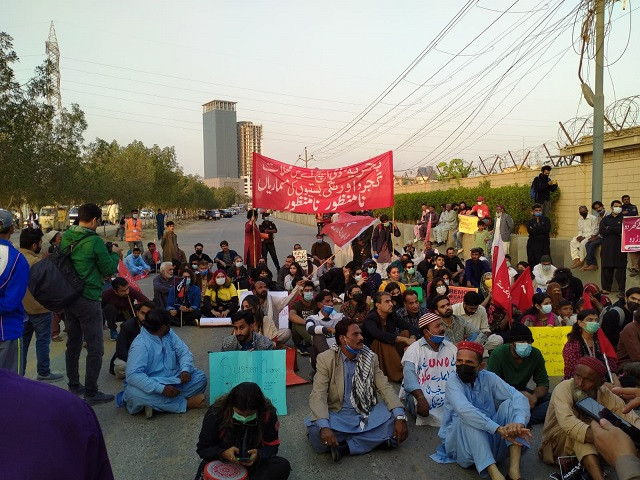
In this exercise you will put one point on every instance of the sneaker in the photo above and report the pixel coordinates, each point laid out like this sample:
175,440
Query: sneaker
113,335
78,390
99,398
303,349
52,377
148,411
57,338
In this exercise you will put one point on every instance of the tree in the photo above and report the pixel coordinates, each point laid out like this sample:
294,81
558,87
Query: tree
455,169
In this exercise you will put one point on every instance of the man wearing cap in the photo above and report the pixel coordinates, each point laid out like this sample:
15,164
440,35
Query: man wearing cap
481,209
503,227
474,268
517,362
538,243
543,273
427,365
566,430
14,277
484,418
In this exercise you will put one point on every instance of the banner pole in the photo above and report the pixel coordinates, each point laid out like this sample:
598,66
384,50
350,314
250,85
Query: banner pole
253,245
393,231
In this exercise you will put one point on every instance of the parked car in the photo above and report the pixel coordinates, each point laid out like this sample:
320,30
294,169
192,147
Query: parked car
73,215
227,213
202,215
213,215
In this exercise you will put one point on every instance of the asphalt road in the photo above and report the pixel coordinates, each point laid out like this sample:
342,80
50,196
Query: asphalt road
164,446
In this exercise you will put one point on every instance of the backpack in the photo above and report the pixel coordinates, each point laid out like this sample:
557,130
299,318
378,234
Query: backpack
54,282
532,191
619,310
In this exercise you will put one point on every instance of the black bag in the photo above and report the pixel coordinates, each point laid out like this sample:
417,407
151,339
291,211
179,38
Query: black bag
54,282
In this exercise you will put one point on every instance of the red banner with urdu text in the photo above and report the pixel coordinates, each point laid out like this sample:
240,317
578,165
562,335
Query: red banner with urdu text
364,186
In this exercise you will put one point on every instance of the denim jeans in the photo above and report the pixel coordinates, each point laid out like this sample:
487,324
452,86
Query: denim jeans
591,251
41,325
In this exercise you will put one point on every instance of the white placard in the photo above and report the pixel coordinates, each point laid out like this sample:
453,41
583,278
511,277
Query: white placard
283,318
301,258
215,322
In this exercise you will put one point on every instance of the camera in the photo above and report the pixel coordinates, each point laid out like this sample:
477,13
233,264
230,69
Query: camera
109,246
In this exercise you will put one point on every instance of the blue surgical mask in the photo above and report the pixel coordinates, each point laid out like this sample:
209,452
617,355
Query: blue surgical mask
537,214
371,271
352,351
592,327
187,281
437,339
318,240
547,308
308,296
327,309
523,349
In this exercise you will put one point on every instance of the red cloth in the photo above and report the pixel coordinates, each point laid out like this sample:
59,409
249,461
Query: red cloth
473,346
123,272
363,186
522,291
501,285
605,345
252,245
347,228
587,302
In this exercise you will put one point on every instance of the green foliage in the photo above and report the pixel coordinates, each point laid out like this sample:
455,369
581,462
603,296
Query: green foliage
515,198
454,170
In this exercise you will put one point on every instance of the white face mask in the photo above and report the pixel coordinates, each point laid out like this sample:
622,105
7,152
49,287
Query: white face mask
371,271
547,308
358,278
479,203
220,280
134,216
617,210
441,289
546,267
238,264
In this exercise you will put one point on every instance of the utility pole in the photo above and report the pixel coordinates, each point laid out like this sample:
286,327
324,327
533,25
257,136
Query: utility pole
52,49
306,159
598,107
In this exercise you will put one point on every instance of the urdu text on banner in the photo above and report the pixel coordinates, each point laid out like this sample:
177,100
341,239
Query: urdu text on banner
363,186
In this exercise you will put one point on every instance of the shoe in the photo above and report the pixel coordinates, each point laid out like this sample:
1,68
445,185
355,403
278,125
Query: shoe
605,292
587,268
99,398
113,335
57,338
148,411
342,450
52,377
79,390
303,350
576,263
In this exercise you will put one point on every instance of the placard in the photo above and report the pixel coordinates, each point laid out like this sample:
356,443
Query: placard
467,223
215,322
301,258
267,368
456,294
550,341
630,234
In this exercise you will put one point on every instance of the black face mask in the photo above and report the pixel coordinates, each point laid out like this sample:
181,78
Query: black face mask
633,306
396,299
466,373
357,296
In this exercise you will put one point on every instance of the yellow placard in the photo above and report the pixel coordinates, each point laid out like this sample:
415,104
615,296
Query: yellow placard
467,224
550,341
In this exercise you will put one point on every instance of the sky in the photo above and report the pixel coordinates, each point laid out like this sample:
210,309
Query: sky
430,81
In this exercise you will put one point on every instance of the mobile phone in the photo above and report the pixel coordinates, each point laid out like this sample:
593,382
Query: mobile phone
243,455
596,410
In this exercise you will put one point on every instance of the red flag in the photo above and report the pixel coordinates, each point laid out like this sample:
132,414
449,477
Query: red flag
363,186
605,346
501,284
347,228
123,272
587,305
522,291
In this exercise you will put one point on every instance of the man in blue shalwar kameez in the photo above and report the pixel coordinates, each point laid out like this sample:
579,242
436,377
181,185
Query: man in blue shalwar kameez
160,374
484,419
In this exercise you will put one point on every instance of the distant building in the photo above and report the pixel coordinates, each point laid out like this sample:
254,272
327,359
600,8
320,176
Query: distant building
220,140
248,192
249,141
236,183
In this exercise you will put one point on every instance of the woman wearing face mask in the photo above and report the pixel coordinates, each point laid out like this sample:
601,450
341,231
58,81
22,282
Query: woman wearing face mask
184,309
261,324
393,289
541,313
355,306
587,340
243,418
438,287
238,273
221,298
203,276
555,294
293,277
374,280
571,287
360,279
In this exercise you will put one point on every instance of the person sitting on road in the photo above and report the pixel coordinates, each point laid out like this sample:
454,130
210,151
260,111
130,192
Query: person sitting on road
387,335
271,306
485,418
162,284
346,416
135,264
221,298
293,277
411,278
183,302
239,274
129,330
427,366
333,279
518,363
261,323
118,304
299,311
356,305
196,257
474,268
541,313
471,310
565,431
321,326
393,289
373,278
393,275
243,413
543,273
244,338
411,310
224,258
152,257
160,374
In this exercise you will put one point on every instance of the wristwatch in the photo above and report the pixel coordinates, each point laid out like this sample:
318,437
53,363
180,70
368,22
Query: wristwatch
401,417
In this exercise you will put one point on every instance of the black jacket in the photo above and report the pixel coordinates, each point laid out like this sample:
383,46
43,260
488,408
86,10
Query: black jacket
372,328
542,188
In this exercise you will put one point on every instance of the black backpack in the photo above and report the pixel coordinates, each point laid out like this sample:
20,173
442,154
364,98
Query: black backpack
54,282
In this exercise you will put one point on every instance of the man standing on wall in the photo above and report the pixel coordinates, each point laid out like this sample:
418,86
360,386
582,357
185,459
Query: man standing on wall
542,187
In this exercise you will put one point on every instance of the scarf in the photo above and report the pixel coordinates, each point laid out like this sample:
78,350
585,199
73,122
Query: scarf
363,393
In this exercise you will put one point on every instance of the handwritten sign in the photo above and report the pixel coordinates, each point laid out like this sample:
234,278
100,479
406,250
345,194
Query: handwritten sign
550,341
630,234
456,294
467,224
363,186
267,368
301,258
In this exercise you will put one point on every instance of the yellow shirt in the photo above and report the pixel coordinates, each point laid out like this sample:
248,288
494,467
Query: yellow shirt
225,294
401,285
